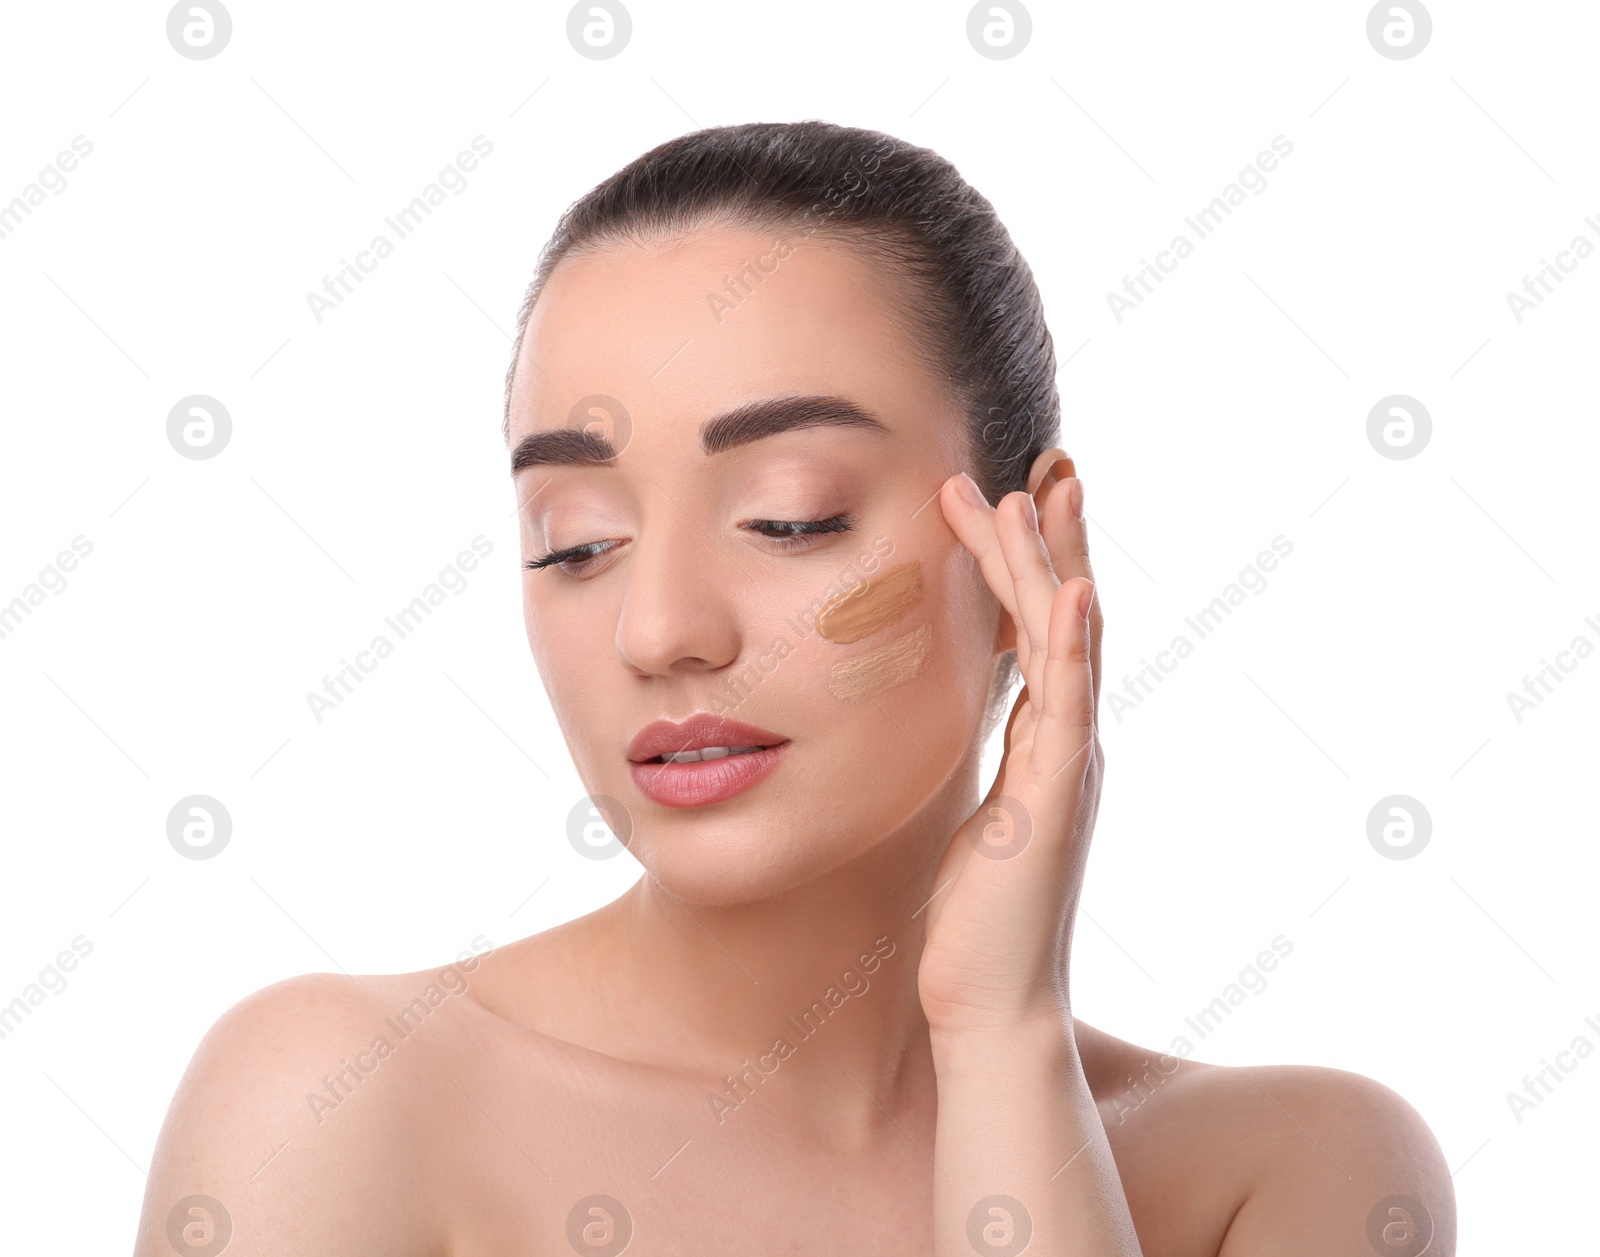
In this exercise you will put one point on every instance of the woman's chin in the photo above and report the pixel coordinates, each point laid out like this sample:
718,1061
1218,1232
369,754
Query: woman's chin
713,868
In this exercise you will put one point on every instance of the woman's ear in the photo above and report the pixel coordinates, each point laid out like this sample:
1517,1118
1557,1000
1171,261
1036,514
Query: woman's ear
1041,476
1045,472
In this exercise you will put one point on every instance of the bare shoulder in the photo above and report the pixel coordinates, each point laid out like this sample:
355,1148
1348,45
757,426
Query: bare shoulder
1330,1162
1241,1161
290,1126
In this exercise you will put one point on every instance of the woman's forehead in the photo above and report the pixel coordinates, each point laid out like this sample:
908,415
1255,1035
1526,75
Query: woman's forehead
691,327
721,289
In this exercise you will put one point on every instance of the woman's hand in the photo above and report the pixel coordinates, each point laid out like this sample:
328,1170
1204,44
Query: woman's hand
1005,895
1025,1157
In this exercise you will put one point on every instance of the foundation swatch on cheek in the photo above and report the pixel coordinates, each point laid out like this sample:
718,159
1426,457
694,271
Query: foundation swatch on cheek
889,665
874,603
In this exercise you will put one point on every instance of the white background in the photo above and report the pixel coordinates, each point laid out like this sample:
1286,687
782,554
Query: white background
1228,409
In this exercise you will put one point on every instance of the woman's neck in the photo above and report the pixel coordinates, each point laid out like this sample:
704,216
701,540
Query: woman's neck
817,985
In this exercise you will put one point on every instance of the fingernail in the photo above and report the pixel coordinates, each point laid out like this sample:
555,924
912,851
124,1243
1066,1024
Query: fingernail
1030,512
969,491
1084,599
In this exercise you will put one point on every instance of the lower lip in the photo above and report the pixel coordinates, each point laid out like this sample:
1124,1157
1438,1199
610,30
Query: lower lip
706,781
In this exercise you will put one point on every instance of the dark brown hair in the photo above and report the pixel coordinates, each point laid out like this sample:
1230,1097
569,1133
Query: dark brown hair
979,323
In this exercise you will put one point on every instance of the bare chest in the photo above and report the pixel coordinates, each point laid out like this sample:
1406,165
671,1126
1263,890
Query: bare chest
654,1176
572,1154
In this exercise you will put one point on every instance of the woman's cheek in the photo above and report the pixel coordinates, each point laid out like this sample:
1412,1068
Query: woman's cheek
575,663
555,653
883,606
953,688
909,642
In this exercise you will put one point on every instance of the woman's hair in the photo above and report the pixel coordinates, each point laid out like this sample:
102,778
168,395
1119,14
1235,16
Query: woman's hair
976,318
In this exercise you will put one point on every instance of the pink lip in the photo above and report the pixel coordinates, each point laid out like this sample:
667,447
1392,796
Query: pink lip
709,781
693,733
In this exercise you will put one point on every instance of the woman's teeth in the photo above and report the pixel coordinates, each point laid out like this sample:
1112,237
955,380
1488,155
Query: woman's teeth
707,752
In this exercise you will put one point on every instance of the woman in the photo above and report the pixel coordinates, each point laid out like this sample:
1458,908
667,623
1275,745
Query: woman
768,381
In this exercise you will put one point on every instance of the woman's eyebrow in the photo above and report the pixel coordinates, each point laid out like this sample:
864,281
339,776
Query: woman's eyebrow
772,415
740,426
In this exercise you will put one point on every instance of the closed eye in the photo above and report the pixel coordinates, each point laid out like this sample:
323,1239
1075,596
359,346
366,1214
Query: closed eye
791,533
573,556
787,535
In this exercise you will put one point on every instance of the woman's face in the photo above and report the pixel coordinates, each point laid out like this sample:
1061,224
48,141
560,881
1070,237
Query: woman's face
696,593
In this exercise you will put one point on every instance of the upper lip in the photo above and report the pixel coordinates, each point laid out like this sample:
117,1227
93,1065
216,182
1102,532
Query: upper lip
702,729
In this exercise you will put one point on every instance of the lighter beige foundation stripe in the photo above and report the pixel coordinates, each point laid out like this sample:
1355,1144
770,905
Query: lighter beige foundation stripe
887,666
874,603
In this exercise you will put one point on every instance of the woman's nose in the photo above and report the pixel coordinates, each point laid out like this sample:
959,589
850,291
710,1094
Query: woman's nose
679,611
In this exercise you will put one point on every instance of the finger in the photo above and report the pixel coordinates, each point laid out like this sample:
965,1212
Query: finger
1062,524
1063,530
1050,525
1035,581
1064,732
974,527
1066,530
974,524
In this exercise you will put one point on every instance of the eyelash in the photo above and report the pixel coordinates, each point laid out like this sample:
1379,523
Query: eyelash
799,530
